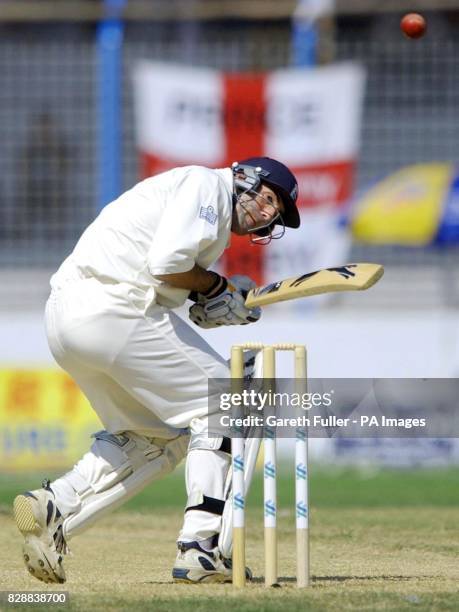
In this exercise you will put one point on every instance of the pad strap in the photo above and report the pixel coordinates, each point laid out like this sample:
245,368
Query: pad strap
198,501
226,446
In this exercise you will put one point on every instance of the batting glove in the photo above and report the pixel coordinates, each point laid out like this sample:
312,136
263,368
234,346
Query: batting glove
224,304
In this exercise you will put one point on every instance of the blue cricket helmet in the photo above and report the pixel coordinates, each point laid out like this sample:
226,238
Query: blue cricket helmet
277,176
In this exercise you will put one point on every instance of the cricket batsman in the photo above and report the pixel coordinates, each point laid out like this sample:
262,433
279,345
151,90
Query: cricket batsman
111,325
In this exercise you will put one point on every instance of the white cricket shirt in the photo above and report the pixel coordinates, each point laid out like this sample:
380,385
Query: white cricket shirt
163,225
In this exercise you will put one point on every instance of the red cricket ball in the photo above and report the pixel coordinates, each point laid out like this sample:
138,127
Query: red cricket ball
413,25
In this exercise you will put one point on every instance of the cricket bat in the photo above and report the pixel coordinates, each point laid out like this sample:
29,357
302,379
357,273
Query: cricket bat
351,277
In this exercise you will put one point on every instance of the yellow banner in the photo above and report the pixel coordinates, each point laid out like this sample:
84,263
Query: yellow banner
404,208
45,420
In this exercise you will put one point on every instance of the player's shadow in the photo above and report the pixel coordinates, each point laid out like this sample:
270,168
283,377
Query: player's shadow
318,579
290,579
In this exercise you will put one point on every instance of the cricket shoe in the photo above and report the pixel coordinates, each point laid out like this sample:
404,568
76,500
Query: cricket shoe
40,522
194,564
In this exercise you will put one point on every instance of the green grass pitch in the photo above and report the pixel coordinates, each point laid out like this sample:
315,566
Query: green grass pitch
379,541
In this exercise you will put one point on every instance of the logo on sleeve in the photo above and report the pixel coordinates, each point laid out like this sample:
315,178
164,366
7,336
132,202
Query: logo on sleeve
208,214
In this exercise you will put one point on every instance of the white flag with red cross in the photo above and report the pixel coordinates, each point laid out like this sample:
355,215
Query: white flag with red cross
309,119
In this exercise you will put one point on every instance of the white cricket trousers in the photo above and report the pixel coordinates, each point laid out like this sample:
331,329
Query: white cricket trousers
143,370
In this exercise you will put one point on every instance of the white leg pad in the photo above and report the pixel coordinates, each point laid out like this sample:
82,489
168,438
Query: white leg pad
205,481
115,469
